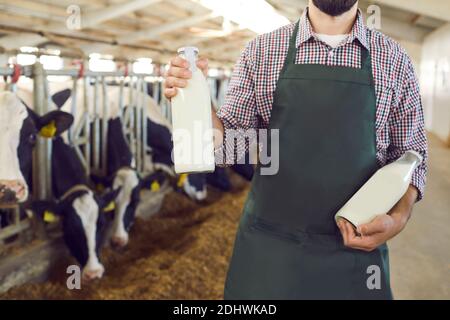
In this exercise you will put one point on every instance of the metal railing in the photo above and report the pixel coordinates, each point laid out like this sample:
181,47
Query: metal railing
88,135
90,99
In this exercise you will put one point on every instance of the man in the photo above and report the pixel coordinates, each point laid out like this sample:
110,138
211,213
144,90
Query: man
346,102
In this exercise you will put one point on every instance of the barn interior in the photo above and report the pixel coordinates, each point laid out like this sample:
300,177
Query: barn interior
114,53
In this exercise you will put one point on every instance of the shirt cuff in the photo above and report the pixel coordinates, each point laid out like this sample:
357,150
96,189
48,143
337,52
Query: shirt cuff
236,145
221,151
419,180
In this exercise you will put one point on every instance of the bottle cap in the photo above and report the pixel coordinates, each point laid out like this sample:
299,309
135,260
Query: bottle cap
190,54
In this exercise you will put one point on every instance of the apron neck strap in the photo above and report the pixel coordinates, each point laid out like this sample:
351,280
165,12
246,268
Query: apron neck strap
366,61
290,58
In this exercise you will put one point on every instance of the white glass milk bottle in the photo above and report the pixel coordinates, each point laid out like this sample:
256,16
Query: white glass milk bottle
383,190
193,145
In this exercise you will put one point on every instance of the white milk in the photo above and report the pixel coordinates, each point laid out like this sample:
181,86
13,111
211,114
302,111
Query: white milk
382,192
192,122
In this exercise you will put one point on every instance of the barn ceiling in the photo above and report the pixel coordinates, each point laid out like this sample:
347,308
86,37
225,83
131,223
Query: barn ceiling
128,29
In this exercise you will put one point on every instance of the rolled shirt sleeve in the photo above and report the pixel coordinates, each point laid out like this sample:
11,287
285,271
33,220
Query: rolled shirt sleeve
239,111
407,127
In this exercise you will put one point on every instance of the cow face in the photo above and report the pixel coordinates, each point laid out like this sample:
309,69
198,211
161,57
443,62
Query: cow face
19,127
82,226
128,198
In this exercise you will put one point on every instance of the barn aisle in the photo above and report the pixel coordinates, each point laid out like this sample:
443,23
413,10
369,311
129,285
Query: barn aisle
181,253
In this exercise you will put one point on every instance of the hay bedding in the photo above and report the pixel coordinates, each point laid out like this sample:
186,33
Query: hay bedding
182,253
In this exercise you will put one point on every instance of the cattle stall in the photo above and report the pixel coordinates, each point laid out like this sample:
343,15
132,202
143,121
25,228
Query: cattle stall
87,93
18,228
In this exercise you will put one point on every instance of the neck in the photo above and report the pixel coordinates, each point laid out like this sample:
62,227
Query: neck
323,23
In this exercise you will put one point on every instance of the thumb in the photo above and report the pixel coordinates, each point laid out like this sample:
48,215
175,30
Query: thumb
378,225
202,64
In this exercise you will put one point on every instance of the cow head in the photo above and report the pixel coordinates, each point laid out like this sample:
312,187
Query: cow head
126,204
84,226
194,185
19,127
128,199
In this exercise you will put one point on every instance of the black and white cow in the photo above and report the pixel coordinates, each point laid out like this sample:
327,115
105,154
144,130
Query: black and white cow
121,174
83,220
159,138
19,126
80,208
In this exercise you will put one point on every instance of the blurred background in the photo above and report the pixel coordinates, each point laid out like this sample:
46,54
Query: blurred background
116,51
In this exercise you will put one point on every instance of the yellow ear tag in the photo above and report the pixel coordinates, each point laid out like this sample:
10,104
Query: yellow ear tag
182,179
49,130
50,217
100,187
110,207
155,187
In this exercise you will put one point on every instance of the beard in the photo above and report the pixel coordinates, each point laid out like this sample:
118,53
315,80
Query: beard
334,7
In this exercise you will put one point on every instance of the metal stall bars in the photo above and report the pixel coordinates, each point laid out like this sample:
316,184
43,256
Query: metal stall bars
135,119
92,153
89,134
157,93
42,185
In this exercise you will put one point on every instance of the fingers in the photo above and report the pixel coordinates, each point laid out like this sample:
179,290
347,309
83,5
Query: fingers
344,230
170,92
352,240
178,75
367,244
350,231
172,82
170,86
379,225
179,62
177,72
341,227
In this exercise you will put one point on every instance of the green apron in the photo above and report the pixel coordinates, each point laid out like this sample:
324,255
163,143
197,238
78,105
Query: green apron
288,245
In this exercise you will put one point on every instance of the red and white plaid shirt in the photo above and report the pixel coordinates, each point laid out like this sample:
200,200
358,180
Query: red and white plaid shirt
399,118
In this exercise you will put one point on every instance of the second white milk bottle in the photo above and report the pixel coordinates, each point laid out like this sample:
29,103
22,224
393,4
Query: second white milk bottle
192,124
383,190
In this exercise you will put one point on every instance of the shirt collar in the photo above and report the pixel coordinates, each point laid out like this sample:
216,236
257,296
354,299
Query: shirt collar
306,32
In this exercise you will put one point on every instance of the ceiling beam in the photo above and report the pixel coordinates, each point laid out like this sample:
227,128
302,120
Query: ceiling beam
154,33
150,33
98,16
195,40
88,19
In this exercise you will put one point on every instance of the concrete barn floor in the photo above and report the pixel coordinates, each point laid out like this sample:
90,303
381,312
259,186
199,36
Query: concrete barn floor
420,255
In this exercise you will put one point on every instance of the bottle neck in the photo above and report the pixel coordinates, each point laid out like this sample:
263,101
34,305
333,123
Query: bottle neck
191,56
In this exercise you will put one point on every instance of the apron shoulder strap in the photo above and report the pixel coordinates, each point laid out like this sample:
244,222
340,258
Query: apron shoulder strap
366,61
290,58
